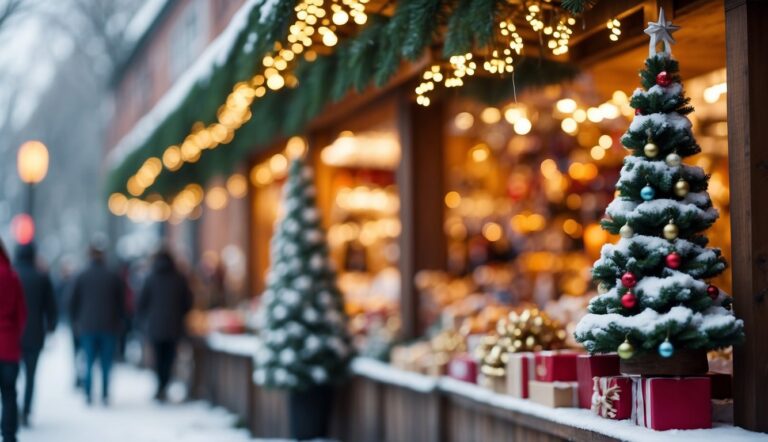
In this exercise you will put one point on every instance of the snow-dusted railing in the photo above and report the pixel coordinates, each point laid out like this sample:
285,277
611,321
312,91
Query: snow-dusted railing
570,417
380,372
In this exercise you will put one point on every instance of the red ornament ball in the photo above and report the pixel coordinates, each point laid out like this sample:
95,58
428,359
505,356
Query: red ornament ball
638,112
674,260
628,280
663,79
629,300
713,292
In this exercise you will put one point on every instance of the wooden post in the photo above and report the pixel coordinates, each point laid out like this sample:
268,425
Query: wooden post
420,183
746,22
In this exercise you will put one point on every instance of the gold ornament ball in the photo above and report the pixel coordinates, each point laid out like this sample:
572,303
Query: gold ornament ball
651,150
626,350
671,231
682,188
626,231
602,288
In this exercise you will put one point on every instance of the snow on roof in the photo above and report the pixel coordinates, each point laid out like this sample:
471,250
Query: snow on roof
214,56
143,19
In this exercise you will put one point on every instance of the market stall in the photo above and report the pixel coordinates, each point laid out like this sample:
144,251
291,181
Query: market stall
464,225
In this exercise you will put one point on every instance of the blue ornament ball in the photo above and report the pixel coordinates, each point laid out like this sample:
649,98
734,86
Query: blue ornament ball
666,350
647,193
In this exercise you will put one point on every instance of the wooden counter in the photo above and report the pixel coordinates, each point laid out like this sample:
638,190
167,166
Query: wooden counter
383,403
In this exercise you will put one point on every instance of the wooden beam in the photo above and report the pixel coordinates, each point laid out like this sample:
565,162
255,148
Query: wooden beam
746,42
420,183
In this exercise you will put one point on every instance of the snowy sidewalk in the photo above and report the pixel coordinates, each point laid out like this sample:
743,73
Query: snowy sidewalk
60,413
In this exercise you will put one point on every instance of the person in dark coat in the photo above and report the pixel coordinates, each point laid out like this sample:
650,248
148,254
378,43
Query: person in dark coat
41,317
13,316
164,302
97,310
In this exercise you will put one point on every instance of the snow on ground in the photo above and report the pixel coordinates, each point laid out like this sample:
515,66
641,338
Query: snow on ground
60,413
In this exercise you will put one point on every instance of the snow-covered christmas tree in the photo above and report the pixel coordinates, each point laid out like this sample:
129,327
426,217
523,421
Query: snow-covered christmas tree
653,284
304,336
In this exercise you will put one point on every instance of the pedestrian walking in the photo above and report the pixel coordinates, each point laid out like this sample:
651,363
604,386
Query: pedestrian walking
164,302
41,318
97,310
13,315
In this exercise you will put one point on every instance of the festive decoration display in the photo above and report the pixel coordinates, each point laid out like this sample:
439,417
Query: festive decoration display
612,397
464,368
530,330
647,193
681,188
713,292
666,349
673,160
673,304
521,369
304,339
673,260
671,231
614,25
672,403
628,280
554,394
590,366
651,150
663,79
554,366
626,350
265,101
629,300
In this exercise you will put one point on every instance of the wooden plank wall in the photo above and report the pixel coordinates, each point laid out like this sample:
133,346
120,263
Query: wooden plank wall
746,22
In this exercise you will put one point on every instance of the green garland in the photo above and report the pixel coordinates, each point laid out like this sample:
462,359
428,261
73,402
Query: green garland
373,56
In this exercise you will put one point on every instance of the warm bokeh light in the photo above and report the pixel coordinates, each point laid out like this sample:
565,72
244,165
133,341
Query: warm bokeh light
522,126
32,162
216,198
566,105
452,199
463,121
237,186
490,115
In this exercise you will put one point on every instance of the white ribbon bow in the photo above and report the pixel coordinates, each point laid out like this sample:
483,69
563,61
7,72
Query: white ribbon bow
603,397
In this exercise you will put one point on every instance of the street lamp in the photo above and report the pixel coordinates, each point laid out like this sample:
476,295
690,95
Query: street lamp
32,165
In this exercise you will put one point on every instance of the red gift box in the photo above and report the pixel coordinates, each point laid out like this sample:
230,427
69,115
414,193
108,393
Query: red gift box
463,367
590,366
672,403
521,369
612,397
552,366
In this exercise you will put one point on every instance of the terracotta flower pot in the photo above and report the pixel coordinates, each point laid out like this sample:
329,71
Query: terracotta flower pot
683,363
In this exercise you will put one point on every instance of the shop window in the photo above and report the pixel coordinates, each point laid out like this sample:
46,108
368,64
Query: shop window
527,184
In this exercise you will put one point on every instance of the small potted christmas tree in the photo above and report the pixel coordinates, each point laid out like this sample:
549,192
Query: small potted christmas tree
656,307
305,347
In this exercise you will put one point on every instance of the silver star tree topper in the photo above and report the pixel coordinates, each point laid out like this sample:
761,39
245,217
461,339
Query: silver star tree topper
661,31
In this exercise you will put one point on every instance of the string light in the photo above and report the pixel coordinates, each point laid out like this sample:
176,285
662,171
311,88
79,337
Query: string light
561,35
311,19
614,25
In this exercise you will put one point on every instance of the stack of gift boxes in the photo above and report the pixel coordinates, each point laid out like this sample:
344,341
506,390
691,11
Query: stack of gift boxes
571,379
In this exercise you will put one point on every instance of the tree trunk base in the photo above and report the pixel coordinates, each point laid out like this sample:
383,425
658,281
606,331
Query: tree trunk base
682,363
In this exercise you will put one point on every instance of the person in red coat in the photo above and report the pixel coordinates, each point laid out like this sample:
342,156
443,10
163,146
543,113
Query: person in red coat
13,316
